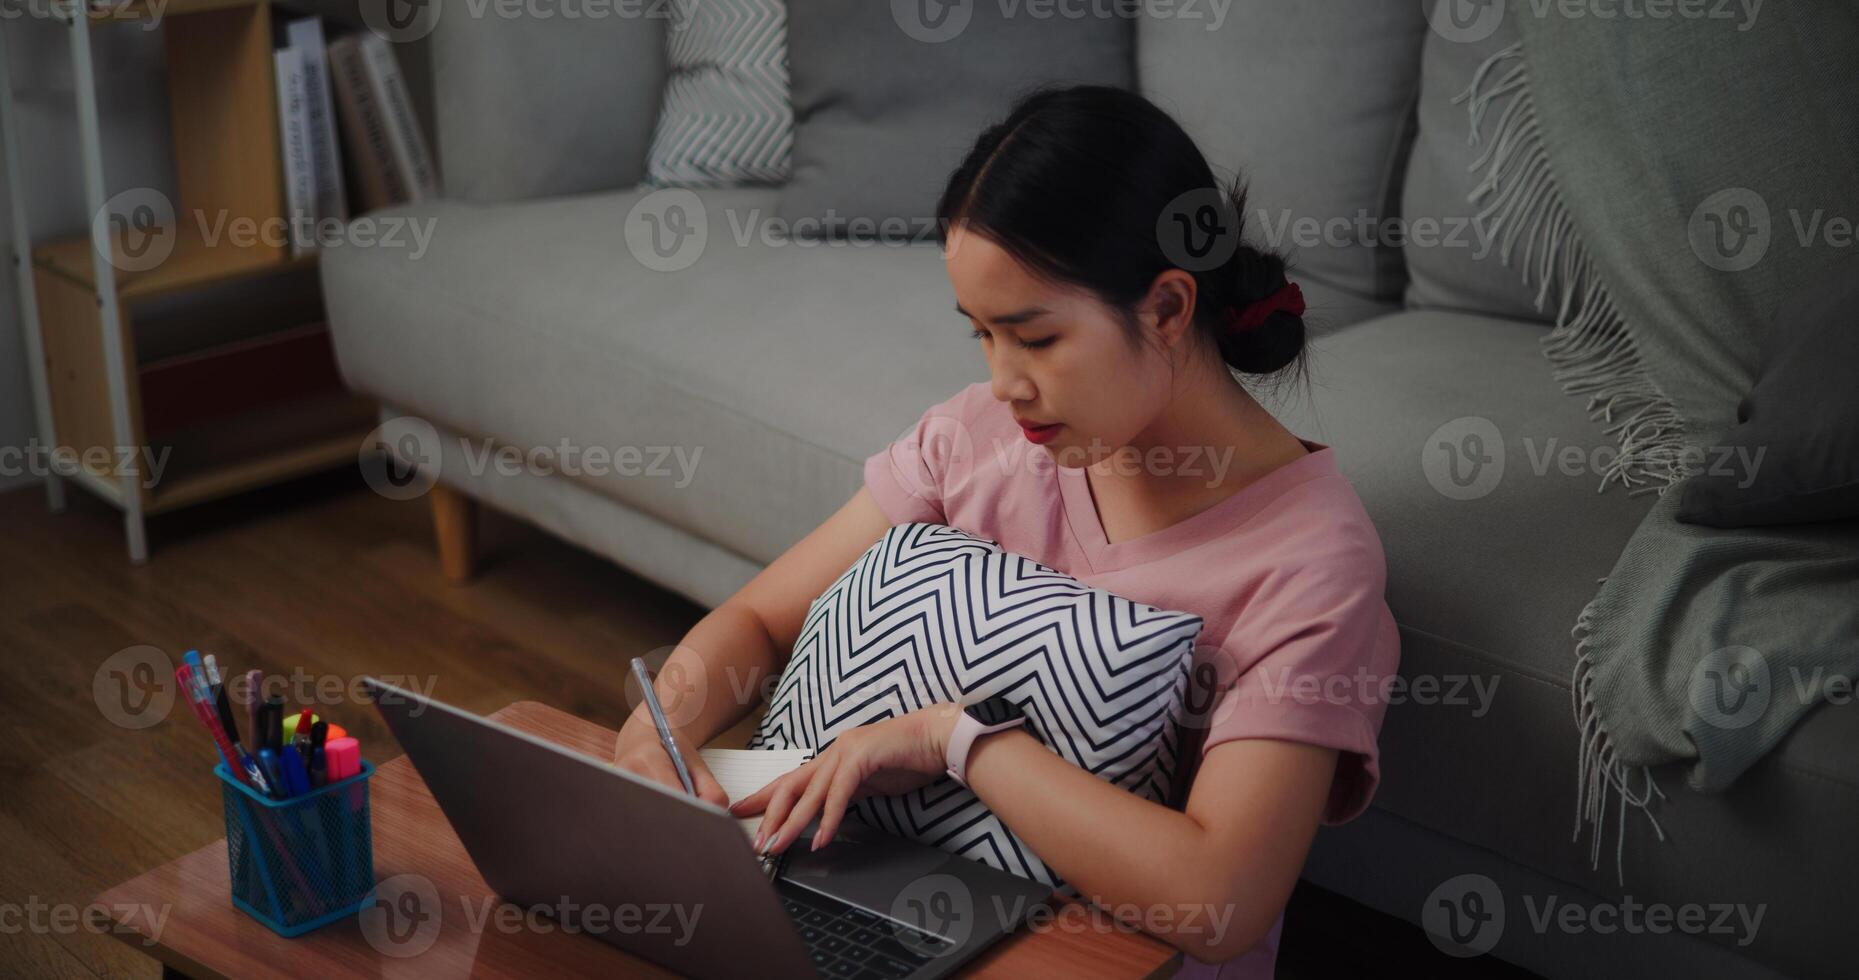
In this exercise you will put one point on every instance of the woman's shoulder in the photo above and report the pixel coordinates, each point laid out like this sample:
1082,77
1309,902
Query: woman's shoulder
1323,528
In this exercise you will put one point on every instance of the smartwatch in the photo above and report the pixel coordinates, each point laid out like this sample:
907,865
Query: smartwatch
993,715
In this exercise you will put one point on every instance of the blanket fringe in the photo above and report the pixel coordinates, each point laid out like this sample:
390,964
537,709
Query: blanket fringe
1599,769
1589,347
1592,354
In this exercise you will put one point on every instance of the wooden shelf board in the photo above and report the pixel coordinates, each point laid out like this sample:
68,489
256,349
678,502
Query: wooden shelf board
192,264
223,458
108,11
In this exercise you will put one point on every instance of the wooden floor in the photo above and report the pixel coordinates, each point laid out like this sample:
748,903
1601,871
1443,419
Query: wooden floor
326,576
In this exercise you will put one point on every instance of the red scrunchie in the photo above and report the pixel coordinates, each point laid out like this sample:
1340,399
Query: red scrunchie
1288,298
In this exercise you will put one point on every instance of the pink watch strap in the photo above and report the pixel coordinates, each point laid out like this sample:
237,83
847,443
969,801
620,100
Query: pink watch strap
962,739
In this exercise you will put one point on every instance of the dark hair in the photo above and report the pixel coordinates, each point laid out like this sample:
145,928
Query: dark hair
1082,185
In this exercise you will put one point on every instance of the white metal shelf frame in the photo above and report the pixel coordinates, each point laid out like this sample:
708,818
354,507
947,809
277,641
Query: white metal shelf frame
124,490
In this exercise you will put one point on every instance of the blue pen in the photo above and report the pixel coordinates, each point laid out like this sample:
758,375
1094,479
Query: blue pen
296,781
268,761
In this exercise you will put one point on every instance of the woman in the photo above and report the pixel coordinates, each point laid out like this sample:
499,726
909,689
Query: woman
1116,322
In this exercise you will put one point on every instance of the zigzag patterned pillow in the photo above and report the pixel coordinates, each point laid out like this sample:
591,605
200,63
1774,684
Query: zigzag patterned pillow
931,614
726,118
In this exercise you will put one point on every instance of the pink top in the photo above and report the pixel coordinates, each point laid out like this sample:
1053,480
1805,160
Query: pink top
1287,576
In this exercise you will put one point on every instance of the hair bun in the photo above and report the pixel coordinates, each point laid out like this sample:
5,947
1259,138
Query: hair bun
1288,297
1268,348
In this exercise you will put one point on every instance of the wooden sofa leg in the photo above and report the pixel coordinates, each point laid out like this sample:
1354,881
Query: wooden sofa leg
454,522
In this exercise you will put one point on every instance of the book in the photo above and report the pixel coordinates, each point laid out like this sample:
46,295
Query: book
364,125
403,128
294,139
306,35
743,771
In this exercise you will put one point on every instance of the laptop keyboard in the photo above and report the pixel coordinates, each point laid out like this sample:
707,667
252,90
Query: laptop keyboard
847,941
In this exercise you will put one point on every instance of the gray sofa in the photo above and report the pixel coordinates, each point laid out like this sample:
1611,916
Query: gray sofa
528,322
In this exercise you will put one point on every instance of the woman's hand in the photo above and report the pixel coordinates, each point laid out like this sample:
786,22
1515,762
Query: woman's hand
880,759
638,750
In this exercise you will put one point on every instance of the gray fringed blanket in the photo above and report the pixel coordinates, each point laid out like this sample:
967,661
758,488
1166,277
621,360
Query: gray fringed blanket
1660,180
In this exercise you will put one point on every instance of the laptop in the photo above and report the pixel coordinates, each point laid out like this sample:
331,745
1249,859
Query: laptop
673,879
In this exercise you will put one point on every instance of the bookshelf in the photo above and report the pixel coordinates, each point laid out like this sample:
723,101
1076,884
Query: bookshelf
227,414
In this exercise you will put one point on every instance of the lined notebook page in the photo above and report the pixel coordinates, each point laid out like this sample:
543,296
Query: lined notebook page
743,771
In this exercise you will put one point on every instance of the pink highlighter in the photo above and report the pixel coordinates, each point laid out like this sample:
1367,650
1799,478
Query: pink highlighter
342,757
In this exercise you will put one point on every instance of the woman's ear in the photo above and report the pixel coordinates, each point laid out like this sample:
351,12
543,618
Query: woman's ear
1169,307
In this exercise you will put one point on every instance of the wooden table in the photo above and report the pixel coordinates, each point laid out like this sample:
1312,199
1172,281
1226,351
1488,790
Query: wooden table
203,935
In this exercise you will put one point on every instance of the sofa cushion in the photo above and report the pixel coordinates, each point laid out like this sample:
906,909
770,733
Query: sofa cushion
1318,162
536,323
1451,263
1487,570
886,102
727,118
531,106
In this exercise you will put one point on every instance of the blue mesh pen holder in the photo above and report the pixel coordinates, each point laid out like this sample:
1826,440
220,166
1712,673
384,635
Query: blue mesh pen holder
299,863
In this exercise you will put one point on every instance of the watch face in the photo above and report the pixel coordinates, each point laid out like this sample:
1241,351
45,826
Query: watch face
994,710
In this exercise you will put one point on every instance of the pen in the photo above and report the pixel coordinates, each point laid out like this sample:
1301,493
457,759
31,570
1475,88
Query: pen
268,762
254,683
190,686
273,720
223,705
663,724
296,779
196,677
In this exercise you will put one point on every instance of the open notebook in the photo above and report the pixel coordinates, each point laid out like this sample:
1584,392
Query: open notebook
743,771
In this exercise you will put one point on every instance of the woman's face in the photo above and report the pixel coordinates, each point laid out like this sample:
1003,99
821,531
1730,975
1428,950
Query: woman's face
1057,354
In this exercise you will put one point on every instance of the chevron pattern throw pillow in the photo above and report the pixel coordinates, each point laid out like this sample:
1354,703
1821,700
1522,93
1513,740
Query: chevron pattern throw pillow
931,614
726,118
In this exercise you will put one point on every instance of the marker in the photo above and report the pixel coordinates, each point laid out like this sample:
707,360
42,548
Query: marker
343,758
298,721
319,737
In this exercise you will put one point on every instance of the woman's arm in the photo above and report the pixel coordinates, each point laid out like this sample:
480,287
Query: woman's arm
715,675
1234,851
1210,879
